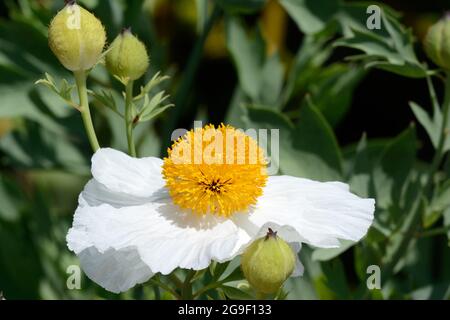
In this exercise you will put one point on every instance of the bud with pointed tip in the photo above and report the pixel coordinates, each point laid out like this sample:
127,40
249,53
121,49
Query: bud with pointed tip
437,42
76,37
268,262
127,57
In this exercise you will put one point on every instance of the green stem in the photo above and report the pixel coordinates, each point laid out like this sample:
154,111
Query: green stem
129,117
186,291
433,232
207,288
439,155
157,292
165,287
80,79
176,281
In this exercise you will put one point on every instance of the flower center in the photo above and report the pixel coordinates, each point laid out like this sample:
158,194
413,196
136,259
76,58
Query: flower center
215,170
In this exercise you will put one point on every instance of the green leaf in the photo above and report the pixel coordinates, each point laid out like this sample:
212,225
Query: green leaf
435,291
360,171
24,100
271,81
106,98
154,113
406,69
232,272
248,55
147,141
315,153
153,107
235,293
323,254
332,90
267,119
447,223
390,49
236,111
353,16
395,164
36,147
399,242
202,14
217,269
241,6
402,38
64,90
154,82
20,263
335,279
236,275
11,199
431,126
372,45
308,61
303,288
24,44
311,16
439,203
307,150
150,104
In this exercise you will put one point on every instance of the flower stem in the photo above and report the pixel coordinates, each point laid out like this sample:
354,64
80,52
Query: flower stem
164,286
80,79
433,232
129,117
186,291
210,286
175,280
439,155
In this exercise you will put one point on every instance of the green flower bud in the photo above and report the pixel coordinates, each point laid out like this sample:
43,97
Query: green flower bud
437,42
76,37
268,262
127,57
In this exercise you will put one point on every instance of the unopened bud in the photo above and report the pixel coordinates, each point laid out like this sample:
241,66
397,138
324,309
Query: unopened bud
268,262
437,42
76,37
127,58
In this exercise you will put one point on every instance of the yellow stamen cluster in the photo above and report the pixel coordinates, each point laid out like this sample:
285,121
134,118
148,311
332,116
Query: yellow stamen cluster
215,170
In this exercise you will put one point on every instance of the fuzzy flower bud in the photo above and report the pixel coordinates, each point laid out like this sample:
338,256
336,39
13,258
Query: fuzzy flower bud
268,262
76,37
437,42
127,57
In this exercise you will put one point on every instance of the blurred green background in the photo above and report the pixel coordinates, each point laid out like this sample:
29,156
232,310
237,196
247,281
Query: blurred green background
250,63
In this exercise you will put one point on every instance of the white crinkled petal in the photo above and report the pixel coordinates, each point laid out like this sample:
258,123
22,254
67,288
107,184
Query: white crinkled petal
95,194
126,228
115,270
140,177
318,213
299,268
156,234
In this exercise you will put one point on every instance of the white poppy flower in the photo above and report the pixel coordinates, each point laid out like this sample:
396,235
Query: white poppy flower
138,217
